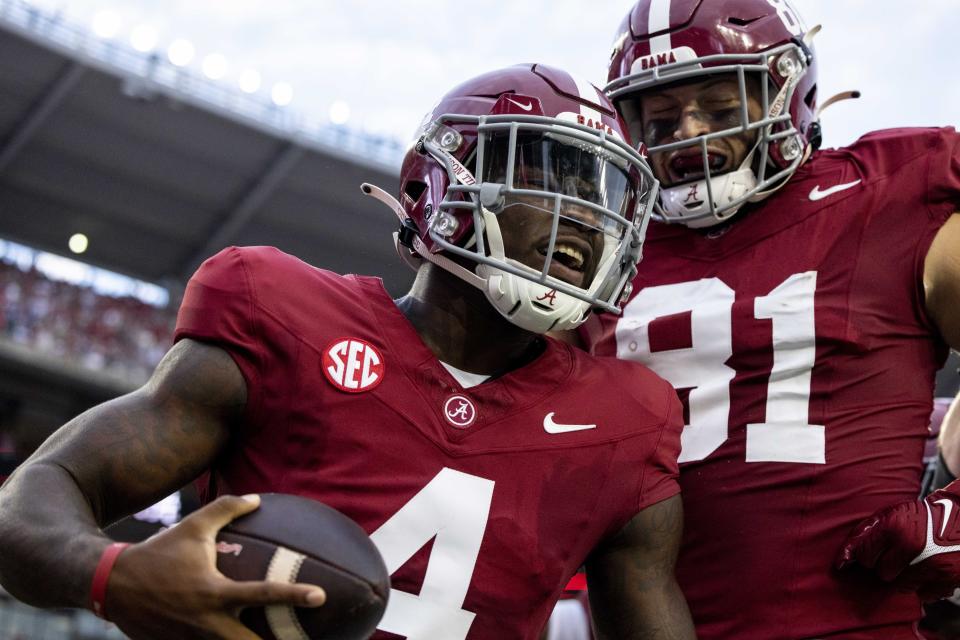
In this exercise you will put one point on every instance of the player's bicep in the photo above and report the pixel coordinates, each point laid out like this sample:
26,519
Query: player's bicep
131,451
644,552
631,577
941,280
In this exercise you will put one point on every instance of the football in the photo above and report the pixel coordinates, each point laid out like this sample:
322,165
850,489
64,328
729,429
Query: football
295,539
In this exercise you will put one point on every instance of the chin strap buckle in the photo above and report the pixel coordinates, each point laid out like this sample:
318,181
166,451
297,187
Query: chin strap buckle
491,197
407,233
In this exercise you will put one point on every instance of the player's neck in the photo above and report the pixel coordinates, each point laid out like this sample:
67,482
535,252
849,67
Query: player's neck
459,325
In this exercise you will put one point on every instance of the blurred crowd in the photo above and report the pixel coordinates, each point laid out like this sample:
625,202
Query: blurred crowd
123,337
20,622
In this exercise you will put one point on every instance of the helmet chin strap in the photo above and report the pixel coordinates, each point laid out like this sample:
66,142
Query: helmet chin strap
503,290
414,257
761,195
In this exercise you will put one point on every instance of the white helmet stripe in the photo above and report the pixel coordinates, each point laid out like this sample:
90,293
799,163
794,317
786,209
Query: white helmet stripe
590,94
659,20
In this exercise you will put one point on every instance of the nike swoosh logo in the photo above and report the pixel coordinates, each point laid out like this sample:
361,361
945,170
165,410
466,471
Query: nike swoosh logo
947,509
932,548
525,107
817,194
552,427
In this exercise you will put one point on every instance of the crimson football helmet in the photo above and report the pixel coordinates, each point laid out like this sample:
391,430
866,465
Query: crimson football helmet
763,44
535,136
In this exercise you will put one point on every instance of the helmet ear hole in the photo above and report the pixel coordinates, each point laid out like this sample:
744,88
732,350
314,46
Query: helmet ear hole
414,189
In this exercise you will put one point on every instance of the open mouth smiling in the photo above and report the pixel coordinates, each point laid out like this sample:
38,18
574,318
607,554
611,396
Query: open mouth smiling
684,167
570,260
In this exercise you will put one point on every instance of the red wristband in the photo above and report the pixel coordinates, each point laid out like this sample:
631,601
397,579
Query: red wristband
98,589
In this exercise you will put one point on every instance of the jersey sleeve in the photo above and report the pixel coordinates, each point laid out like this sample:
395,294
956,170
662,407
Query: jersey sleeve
659,479
913,177
943,184
217,308
910,168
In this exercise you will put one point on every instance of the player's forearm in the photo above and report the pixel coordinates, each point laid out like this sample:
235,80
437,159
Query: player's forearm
108,462
49,540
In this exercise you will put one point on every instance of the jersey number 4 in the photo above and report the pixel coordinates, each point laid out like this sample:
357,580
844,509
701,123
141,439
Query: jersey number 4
453,508
786,436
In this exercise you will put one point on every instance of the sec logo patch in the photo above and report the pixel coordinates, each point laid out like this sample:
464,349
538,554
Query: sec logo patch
352,365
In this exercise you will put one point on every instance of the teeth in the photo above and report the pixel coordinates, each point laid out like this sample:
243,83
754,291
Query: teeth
572,252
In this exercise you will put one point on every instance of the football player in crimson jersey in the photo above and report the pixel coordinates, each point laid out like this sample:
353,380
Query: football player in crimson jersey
487,462
800,301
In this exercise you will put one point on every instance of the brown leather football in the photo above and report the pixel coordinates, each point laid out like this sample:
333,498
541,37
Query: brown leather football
295,539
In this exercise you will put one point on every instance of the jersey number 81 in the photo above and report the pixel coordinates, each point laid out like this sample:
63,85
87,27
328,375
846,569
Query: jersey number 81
786,435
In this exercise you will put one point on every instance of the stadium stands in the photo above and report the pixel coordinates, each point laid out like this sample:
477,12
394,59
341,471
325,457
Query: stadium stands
121,336
160,168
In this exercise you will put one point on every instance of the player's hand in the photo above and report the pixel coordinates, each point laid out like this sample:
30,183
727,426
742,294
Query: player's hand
168,586
915,545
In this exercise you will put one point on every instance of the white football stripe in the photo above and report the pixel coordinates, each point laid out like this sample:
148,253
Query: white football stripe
284,567
659,20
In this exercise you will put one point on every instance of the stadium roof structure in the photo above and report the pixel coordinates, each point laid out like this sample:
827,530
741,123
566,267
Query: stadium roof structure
161,167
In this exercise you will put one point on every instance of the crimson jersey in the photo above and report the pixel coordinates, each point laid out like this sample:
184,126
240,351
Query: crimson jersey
798,341
483,501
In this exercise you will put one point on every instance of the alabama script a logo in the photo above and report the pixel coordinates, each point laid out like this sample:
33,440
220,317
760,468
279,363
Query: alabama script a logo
459,411
550,297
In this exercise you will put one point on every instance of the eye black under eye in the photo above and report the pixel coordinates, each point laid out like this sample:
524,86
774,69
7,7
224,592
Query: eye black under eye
658,129
728,117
